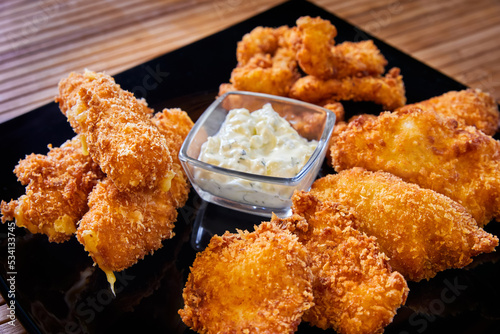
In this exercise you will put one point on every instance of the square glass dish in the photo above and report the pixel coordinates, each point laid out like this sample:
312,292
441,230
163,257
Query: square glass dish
254,193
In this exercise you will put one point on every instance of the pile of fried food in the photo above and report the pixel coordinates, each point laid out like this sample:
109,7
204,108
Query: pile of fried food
117,184
413,190
273,60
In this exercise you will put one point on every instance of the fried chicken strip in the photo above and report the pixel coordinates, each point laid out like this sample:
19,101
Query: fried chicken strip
470,106
421,231
354,287
434,152
244,282
105,230
387,91
57,186
117,130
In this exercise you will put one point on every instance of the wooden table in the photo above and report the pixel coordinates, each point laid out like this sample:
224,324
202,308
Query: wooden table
41,41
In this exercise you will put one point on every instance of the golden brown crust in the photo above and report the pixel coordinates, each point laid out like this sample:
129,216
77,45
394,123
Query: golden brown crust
57,185
314,47
358,59
117,130
387,90
354,287
267,73
243,282
421,231
434,152
122,227
470,106
175,125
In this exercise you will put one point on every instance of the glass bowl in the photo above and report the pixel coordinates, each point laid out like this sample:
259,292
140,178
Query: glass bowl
253,193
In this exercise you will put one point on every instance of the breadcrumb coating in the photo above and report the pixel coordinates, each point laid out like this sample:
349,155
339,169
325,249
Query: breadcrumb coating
117,130
470,107
432,151
421,231
122,227
318,55
354,287
57,185
387,90
267,73
249,282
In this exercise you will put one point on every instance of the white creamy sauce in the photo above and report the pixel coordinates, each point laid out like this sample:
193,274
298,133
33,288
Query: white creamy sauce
259,142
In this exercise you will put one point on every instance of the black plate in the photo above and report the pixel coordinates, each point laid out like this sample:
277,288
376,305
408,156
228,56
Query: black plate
57,290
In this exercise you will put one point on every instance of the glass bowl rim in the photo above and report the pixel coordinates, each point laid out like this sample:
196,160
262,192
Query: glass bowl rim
322,142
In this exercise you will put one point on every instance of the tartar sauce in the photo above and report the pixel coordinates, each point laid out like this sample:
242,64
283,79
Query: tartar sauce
259,142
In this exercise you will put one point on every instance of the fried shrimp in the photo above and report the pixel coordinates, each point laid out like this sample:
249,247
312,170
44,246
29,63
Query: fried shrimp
387,91
57,186
470,107
117,130
249,282
354,287
421,231
432,151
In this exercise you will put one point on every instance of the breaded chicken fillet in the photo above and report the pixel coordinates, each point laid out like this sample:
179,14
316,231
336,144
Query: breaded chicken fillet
470,106
421,231
432,151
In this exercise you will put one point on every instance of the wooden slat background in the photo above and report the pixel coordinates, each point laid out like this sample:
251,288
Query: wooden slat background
41,41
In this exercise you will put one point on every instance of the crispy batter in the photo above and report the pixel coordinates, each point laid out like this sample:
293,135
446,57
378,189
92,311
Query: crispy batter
470,106
337,108
318,55
175,125
266,73
261,40
421,231
358,59
243,282
121,227
117,130
314,53
434,152
388,90
57,185
106,228
354,288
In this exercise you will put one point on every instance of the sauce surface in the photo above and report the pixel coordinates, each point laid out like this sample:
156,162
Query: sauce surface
259,142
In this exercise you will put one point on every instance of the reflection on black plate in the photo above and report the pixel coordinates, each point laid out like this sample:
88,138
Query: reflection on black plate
59,291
